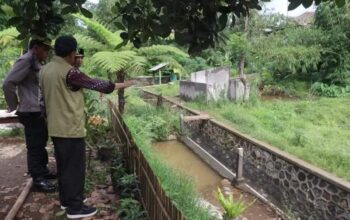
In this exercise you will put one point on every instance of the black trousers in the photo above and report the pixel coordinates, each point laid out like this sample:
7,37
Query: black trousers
70,159
36,135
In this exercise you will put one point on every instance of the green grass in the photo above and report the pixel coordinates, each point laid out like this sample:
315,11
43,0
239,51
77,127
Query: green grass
316,131
166,90
143,120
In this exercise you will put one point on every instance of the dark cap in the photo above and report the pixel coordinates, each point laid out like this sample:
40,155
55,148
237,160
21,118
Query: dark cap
64,45
42,42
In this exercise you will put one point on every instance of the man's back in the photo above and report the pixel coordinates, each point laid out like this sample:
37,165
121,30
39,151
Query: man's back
64,108
22,80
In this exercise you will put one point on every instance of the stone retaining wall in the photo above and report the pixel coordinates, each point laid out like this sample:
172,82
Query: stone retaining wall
285,183
290,183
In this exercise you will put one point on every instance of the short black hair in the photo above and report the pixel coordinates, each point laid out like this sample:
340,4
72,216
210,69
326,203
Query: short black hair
81,51
65,45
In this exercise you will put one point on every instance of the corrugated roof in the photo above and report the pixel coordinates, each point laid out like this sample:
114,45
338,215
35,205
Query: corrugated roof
159,66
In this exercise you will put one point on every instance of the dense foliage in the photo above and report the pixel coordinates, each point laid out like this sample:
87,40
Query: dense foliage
334,23
194,23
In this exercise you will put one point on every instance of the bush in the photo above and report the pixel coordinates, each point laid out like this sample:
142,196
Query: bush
130,209
322,89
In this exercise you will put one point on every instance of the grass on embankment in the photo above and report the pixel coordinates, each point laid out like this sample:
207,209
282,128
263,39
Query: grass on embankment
148,124
166,89
317,131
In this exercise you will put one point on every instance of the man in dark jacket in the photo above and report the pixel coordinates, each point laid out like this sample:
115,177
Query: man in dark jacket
21,90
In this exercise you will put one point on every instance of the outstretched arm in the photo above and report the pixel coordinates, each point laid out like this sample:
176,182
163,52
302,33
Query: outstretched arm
77,79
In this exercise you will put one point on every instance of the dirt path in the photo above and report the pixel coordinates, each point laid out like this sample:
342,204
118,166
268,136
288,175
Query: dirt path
13,168
41,206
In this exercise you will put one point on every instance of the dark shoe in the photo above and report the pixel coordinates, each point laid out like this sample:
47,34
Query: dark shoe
63,207
43,185
50,176
85,211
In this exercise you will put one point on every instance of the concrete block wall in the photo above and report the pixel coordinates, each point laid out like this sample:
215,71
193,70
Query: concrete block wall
193,90
236,90
217,81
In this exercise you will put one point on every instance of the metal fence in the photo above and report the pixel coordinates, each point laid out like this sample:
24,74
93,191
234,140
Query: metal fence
153,198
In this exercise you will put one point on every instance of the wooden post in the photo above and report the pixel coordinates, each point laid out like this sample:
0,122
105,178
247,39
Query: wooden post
239,172
19,202
121,96
182,125
160,77
159,100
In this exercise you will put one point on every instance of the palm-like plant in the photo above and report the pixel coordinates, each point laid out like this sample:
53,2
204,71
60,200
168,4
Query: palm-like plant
8,37
113,57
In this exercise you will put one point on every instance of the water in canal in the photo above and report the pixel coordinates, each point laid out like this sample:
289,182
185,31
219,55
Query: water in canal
180,157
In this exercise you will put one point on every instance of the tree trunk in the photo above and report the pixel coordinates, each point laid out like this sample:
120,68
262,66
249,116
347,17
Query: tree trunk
242,62
121,95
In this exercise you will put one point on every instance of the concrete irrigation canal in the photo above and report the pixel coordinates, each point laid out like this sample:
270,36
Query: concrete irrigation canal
284,182
178,156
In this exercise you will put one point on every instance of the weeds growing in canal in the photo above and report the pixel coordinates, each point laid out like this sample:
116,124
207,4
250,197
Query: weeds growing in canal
233,209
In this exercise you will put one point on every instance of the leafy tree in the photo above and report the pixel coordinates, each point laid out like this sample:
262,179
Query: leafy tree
334,22
41,18
102,11
5,14
8,37
194,23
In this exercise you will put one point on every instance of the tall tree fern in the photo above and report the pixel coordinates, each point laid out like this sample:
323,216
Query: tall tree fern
89,43
114,57
112,39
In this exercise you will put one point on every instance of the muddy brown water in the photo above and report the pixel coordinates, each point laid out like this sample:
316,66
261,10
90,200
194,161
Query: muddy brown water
180,157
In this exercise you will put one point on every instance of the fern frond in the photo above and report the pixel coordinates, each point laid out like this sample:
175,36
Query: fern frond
8,36
161,50
88,43
137,66
112,39
113,61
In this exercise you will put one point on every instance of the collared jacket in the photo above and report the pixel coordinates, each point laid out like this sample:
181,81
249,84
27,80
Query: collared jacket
64,107
21,86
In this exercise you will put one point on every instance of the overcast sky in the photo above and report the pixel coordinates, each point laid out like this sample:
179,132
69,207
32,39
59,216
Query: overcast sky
275,6
281,6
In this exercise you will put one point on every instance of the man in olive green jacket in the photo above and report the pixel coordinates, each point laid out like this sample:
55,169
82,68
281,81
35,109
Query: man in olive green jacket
62,86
